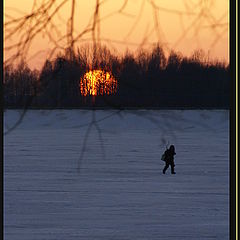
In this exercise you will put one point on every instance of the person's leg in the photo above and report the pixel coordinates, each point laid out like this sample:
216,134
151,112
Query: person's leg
165,168
172,168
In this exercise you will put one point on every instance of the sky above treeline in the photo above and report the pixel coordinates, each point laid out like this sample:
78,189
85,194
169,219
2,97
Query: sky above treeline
181,25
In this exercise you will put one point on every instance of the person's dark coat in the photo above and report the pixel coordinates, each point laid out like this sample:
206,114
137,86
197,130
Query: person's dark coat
169,159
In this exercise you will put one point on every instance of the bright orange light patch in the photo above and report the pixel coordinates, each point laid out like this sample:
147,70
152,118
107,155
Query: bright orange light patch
98,82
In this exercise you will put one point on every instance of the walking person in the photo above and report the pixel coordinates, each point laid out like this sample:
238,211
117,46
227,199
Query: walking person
169,159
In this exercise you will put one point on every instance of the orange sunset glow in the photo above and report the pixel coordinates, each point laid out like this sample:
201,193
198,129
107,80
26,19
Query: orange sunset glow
97,82
181,25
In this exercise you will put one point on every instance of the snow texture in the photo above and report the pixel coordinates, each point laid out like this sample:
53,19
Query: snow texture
119,192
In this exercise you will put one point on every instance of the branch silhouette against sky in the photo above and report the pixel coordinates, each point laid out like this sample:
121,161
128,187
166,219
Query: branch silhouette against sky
45,16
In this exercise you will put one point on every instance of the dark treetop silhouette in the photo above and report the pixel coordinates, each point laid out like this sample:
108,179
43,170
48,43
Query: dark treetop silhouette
147,80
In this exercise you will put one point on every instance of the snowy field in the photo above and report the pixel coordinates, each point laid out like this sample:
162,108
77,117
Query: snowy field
75,174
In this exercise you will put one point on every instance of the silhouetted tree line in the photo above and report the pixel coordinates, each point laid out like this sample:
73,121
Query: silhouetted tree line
148,80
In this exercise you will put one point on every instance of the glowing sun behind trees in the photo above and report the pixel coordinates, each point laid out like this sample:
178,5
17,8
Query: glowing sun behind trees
98,82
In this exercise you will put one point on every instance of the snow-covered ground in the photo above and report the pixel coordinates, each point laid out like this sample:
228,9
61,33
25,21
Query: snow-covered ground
75,174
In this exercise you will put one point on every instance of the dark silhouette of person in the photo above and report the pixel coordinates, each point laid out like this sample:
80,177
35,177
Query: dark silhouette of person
169,159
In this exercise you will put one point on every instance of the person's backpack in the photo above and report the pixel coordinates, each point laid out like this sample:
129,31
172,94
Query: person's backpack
163,158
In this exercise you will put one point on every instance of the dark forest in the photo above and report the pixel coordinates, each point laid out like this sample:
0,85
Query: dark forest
147,79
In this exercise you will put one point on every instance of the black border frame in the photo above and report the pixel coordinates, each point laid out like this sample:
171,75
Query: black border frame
233,123
233,148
